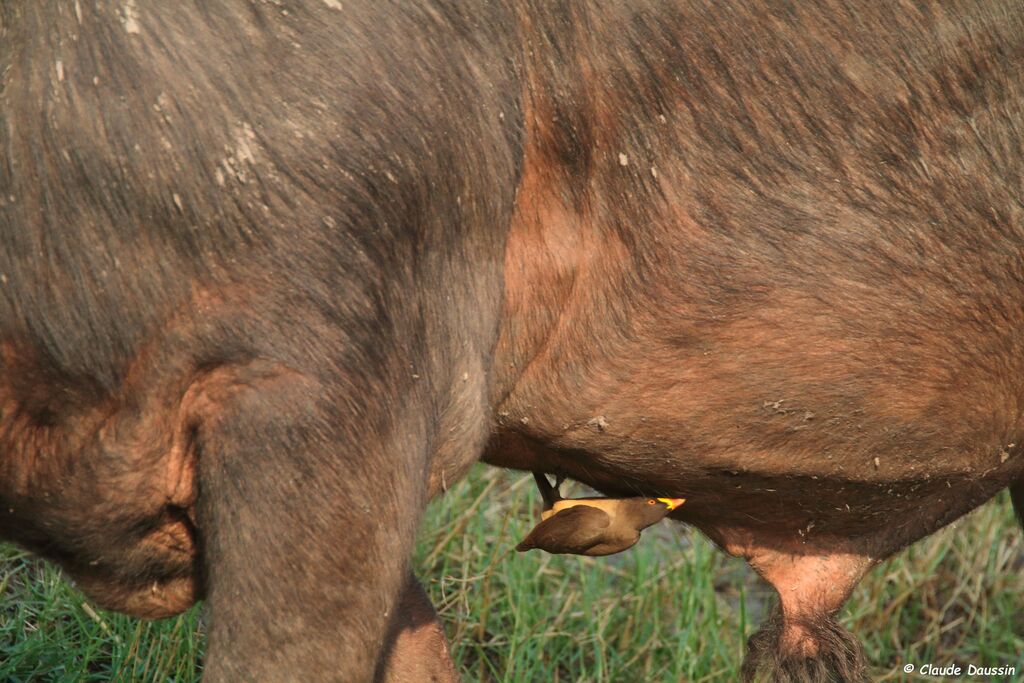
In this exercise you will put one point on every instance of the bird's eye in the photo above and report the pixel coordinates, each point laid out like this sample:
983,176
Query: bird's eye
651,501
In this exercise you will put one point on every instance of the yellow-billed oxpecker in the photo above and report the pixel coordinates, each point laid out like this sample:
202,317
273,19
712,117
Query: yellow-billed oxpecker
592,526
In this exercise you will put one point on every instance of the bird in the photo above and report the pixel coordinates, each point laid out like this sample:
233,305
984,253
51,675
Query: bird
592,526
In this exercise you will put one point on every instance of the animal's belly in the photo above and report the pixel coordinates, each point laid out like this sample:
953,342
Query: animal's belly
823,397
774,450
790,338
738,504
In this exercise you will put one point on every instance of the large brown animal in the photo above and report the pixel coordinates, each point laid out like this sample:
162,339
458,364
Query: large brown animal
273,272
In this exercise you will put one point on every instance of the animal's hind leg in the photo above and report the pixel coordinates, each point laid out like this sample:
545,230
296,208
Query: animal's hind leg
1017,498
802,641
417,649
307,518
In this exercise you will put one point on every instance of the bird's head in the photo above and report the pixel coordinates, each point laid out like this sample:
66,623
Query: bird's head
651,510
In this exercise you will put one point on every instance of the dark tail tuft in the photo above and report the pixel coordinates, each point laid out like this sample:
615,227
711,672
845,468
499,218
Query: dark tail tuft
838,656
1017,496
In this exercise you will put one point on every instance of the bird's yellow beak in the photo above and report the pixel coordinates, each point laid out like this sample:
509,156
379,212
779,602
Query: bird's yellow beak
672,503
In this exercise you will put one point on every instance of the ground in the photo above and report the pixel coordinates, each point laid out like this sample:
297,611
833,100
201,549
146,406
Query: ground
671,609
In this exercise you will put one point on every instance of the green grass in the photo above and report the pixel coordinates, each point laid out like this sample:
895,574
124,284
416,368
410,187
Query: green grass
671,609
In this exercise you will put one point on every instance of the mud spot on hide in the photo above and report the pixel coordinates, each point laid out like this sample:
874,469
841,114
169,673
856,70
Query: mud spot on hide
241,157
130,17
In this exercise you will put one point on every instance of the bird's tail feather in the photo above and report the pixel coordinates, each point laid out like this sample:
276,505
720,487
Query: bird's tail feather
548,492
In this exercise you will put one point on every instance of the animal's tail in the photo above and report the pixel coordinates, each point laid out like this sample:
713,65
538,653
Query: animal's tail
1017,496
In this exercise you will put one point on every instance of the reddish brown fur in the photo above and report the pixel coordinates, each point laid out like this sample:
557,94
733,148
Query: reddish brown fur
855,352
768,257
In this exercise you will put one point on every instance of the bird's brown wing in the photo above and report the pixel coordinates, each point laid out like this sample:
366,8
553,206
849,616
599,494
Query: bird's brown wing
572,530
